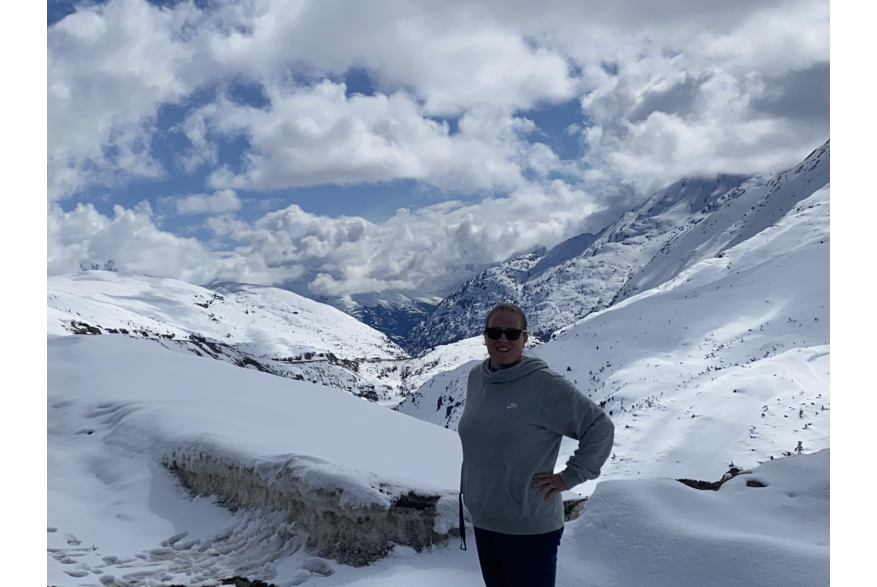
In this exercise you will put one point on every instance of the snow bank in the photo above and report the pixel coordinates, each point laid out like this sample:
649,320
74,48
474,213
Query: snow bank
661,533
356,476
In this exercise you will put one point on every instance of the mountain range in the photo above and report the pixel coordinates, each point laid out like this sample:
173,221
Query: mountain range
264,328
728,361
675,228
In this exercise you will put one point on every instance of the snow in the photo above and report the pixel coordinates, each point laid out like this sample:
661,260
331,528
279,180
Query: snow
661,533
267,328
739,215
728,362
118,407
137,396
235,313
117,517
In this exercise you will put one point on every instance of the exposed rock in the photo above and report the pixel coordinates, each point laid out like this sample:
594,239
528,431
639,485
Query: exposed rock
713,485
349,534
573,508
243,582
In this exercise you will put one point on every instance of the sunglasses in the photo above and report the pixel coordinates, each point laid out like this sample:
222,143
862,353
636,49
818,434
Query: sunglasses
493,333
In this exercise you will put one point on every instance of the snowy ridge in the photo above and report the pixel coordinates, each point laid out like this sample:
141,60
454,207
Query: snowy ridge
588,273
678,226
263,328
729,361
736,217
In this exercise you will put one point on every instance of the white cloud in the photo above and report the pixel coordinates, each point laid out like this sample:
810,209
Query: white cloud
668,89
452,56
317,135
219,202
109,68
420,252
715,106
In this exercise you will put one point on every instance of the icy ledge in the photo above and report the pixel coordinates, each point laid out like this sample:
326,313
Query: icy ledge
343,522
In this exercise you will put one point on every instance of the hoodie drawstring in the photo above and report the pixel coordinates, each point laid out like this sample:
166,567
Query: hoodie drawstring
462,525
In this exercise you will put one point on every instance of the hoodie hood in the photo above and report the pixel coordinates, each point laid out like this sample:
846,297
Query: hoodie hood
525,367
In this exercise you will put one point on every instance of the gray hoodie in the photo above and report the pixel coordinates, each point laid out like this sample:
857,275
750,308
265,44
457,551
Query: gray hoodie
511,429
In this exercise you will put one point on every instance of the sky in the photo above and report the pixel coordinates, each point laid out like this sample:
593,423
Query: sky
342,148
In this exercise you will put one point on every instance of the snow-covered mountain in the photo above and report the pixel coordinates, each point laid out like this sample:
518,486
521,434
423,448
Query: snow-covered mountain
390,313
264,328
727,361
735,217
678,226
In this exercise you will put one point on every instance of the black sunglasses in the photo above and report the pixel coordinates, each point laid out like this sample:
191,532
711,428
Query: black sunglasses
493,333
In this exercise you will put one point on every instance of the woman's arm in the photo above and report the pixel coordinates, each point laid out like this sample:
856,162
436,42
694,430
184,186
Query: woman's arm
569,412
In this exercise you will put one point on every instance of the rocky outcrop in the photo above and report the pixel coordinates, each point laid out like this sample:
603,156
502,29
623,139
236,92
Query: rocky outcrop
713,485
351,533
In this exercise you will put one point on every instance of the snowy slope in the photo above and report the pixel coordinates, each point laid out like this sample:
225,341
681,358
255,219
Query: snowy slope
232,313
461,314
729,361
736,217
660,533
678,226
576,277
264,328
119,408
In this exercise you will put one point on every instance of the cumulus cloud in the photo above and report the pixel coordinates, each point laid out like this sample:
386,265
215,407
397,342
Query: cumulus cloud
669,114
419,252
667,90
423,251
109,69
219,202
317,135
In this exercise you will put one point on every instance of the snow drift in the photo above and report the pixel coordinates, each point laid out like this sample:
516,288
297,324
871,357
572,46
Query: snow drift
358,477
768,526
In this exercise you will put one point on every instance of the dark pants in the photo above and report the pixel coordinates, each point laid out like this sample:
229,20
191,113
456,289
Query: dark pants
509,560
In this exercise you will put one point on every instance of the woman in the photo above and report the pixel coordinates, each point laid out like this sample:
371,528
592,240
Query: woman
517,410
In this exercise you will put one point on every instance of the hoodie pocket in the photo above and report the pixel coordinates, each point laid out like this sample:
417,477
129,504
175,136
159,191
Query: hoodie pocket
517,487
487,494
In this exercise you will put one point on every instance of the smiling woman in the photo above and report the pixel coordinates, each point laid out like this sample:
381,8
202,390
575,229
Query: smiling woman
505,334
516,413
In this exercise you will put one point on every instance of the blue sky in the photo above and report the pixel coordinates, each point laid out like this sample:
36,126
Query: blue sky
343,148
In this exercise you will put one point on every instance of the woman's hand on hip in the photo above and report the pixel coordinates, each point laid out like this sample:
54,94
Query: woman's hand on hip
550,484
